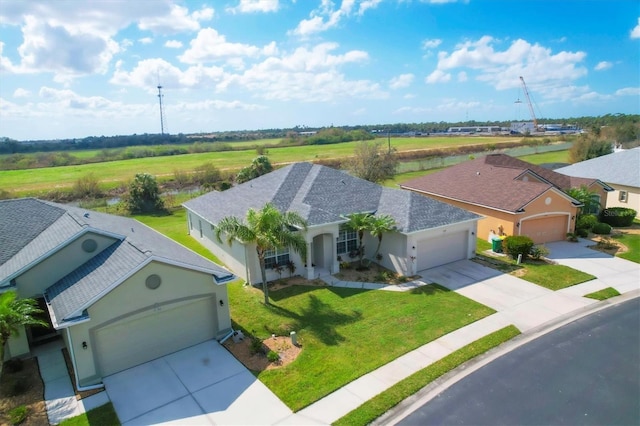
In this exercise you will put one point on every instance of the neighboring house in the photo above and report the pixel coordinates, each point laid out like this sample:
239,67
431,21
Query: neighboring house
430,233
515,197
118,292
620,170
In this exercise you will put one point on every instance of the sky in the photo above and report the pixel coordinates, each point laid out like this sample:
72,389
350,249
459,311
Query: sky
75,68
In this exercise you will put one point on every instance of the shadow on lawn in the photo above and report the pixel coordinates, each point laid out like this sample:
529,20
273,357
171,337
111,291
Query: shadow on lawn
316,317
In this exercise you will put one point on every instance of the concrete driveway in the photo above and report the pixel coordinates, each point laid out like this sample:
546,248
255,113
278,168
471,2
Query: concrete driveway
524,304
203,384
611,271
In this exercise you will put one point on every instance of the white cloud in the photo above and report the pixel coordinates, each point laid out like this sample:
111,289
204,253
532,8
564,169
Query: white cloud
310,75
431,43
177,20
628,91
401,81
145,40
603,65
21,93
145,75
462,76
541,68
173,44
253,6
438,76
326,16
209,46
635,32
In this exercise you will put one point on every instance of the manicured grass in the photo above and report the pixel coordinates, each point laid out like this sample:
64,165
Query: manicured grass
383,402
603,294
547,157
632,241
482,245
100,416
345,332
174,226
553,277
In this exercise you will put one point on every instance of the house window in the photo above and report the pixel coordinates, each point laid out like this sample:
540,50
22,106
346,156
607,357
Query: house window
622,197
347,240
276,257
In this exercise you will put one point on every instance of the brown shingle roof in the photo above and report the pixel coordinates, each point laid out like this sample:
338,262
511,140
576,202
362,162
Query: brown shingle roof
491,181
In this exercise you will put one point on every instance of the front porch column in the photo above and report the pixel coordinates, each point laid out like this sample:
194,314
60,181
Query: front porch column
310,269
335,267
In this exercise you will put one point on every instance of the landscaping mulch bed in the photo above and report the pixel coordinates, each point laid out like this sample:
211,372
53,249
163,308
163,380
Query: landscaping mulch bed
23,387
258,361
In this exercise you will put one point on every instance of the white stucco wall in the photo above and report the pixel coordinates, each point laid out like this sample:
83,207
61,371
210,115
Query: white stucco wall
633,197
132,297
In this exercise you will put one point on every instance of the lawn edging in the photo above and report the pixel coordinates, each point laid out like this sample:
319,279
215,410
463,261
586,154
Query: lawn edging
386,400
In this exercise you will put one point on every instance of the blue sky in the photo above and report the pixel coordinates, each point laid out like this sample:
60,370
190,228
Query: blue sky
72,68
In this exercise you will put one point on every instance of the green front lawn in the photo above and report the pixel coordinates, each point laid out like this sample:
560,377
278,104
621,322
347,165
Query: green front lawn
551,276
632,241
344,332
383,402
103,415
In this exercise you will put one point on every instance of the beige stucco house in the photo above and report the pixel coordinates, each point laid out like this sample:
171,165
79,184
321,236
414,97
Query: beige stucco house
429,233
513,196
620,170
116,291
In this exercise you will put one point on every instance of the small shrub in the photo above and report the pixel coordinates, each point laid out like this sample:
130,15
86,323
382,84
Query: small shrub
515,245
582,233
601,228
586,221
257,347
538,252
345,265
16,387
13,366
572,237
18,415
273,356
619,217
606,244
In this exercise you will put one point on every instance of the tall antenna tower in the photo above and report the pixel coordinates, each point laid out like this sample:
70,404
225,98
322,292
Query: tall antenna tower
163,119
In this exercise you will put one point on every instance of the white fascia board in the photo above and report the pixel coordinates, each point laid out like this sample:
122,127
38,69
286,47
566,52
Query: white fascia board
442,226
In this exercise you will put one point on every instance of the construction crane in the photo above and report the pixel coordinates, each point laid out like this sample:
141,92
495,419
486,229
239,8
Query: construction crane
531,111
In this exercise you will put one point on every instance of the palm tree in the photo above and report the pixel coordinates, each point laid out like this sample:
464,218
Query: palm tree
14,313
268,229
378,226
359,222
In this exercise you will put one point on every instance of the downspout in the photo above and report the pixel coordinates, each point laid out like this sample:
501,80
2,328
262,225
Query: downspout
227,336
75,367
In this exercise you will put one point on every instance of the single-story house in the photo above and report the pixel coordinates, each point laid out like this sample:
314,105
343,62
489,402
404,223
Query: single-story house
118,292
515,197
429,233
620,170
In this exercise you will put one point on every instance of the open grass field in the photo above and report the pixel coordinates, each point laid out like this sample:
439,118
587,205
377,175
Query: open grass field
114,173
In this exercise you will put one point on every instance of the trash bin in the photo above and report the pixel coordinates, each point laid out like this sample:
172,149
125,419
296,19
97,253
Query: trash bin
496,245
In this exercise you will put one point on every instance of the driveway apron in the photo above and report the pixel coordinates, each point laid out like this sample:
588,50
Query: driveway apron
203,384
524,304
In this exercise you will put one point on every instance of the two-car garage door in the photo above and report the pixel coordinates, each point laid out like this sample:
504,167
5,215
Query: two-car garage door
146,336
449,248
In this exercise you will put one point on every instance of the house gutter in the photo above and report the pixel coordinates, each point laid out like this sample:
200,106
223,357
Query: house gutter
75,368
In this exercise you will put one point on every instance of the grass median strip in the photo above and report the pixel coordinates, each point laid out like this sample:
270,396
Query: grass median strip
605,293
386,400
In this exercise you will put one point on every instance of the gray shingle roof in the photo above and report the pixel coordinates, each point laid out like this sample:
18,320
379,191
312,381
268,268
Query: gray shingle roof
134,244
325,195
622,168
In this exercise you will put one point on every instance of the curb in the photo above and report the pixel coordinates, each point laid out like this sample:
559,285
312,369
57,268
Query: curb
433,389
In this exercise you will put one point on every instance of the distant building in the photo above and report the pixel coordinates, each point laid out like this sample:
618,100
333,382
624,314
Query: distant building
474,129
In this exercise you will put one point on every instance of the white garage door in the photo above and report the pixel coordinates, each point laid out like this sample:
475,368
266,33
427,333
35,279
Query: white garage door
545,229
139,339
434,252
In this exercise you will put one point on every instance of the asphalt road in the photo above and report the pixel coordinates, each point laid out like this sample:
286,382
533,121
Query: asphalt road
585,373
